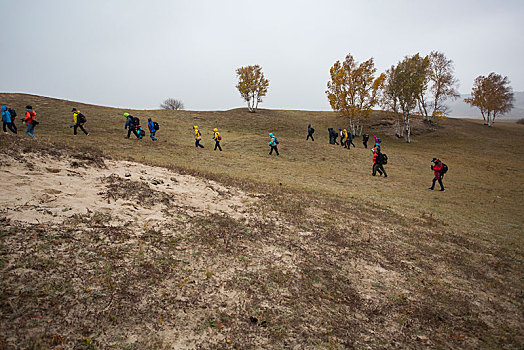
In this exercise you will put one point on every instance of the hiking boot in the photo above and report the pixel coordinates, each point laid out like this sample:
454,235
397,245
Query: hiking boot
430,188
442,190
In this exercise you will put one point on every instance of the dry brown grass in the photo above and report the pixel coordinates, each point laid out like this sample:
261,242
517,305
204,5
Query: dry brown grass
337,259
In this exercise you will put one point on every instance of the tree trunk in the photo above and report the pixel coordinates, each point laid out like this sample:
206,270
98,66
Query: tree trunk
483,116
422,108
407,127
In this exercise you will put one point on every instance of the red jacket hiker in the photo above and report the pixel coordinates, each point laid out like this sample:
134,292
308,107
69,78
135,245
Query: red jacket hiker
29,117
437,168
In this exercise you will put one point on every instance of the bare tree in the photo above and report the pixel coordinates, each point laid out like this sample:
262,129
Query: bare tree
441,74
492,95
172,104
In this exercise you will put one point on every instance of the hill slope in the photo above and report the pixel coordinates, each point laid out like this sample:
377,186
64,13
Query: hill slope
321,253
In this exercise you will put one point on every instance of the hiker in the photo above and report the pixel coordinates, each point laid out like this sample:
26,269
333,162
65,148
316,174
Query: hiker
332,136
350,139
130,125
152,129
342,140
7,120
346,138
378,160
217,139
30,121
365,139
310,132
273,142
13,117
198,137
438,170
78,121
378,141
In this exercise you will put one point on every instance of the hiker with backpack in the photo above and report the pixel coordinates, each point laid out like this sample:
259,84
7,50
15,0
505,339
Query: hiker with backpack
439,169
7,120
379,159
332,136
130,125
350,139
273,143
198,137
30,121
217,138
153,128
365,139
346,138
78,121
310,132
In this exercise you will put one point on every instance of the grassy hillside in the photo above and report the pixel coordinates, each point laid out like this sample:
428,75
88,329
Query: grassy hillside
331,257
484,182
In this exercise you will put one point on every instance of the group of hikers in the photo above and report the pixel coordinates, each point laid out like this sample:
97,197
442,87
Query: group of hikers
8,120
132,124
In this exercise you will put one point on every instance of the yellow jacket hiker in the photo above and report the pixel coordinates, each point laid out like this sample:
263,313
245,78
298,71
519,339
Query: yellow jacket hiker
217,139
78,121
198,137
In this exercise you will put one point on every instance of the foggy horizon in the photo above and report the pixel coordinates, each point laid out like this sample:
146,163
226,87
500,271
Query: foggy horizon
131,54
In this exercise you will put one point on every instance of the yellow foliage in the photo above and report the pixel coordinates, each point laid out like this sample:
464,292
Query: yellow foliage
252,85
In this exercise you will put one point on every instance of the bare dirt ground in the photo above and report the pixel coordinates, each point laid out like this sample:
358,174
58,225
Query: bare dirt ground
92,258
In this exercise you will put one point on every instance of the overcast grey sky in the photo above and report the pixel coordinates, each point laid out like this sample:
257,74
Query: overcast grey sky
131,53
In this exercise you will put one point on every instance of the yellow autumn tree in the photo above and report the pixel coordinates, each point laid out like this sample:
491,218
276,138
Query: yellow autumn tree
252,85
353,90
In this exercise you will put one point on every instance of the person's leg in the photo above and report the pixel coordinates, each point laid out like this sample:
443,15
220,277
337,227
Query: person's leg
216,145
12,127
128,132
220,148
433,184
276,150
384,170
134,132
271,150
196,143
31,130
312,139
440,183
74,129
199,145
374,173
84,130
4,124
307,137
353,143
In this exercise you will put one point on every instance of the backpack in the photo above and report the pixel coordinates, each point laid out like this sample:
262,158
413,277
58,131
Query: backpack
140,132
383,158
136,121
444,169
155,125
276,141
12,112
81,118
219,138
312,130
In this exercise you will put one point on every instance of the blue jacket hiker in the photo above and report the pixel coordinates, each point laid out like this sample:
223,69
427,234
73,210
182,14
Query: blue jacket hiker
273,142
152,129
7,121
